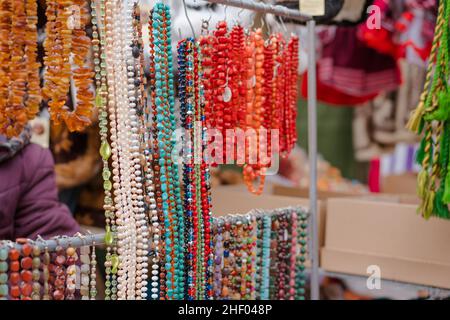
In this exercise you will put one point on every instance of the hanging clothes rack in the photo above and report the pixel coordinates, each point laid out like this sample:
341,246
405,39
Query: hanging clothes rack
281,11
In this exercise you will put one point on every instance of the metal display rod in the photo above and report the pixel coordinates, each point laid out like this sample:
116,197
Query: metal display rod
265,8
312,119
64,241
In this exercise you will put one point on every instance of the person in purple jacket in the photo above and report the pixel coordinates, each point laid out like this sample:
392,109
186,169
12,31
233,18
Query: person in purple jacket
29,203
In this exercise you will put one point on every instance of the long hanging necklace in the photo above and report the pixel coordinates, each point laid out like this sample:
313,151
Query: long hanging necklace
141,198
171,199
111,207
67,44
98,46
20,93
152,156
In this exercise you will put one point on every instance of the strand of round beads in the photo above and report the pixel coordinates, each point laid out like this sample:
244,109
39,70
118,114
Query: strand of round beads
265,259
26,276
46,275
36,274
196,174
71,272
3,272
218,257
137,204
14,275
117,100
112,257
227,265
127,231
60,274
158,266
98,46
205,185
141,170
301,256
84,272
93,274
174,174
185,95
164,105
292,255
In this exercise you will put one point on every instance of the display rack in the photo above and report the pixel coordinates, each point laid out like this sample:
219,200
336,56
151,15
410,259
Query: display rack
285,12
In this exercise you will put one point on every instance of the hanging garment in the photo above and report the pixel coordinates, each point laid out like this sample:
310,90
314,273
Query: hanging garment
405,29
379,125
328,94
349,66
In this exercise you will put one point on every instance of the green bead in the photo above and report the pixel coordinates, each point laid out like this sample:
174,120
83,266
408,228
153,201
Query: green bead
98,99
3,290
106,174
115,263
3,266
3,278
105,150
109,237
3,254
107,185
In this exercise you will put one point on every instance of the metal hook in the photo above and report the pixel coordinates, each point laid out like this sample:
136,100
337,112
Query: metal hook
188,19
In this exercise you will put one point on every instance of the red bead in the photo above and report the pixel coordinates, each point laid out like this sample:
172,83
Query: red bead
26,275
14,278
14,266
26,263
14,254
26,250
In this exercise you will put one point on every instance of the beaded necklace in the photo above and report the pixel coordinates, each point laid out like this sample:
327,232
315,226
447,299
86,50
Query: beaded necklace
46,275
36,274
158,266
98,46
67,43
3,272
14,275
71,273
265,258
84,272
301,257
111,206
171,200
20,93
60,274
93,274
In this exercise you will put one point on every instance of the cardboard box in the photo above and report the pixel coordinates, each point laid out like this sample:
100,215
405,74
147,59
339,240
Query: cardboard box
390,235
400,184
304,193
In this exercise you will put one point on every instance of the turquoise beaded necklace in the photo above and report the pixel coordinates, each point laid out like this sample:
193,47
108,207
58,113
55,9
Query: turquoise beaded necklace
166,125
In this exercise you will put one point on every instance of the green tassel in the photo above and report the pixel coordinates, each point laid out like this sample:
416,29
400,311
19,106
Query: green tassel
441,208
422,184
441,113
446,195
429,204
421,152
